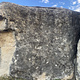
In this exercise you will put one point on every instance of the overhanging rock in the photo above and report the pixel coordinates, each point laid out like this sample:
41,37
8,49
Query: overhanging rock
40,42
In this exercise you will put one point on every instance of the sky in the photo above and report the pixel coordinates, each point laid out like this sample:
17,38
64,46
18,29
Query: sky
68,4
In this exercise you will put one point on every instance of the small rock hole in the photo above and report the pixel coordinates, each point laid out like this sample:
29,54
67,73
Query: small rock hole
1,18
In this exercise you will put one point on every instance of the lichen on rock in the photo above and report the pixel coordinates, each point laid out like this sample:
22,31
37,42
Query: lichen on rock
44,43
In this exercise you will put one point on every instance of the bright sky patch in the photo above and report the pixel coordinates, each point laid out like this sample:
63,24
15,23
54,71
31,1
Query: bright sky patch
68,4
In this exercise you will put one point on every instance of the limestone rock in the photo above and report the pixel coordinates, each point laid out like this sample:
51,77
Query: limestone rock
38,43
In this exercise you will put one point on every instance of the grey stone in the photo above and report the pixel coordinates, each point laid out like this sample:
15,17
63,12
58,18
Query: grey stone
46,41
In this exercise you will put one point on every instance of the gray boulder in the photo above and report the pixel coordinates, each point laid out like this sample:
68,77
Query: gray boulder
38,43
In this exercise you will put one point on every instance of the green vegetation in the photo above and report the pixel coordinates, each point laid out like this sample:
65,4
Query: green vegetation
10,78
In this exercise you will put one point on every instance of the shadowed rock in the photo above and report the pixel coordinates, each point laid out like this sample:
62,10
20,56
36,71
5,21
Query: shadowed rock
46,41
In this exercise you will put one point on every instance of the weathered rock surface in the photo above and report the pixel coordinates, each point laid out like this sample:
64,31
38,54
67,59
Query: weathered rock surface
38,43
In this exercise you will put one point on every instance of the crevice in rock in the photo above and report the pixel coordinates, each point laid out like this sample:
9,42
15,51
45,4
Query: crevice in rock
1,18
7,30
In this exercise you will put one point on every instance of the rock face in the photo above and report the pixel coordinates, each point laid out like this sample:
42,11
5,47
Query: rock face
38,43
7,48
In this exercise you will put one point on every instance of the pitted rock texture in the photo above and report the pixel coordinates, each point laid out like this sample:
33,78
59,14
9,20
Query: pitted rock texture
46,41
